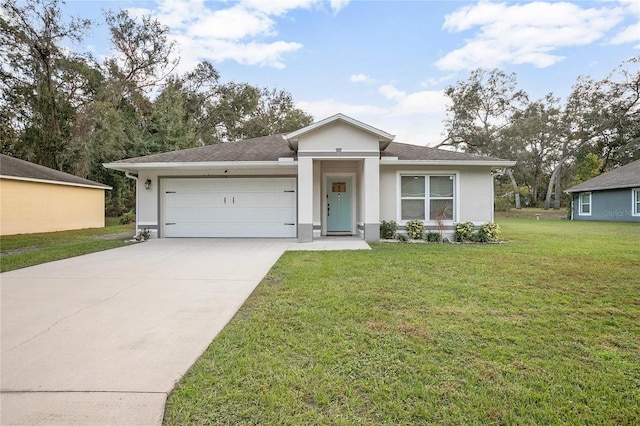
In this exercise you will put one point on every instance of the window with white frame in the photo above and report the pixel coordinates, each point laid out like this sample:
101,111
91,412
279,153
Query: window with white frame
635,207
427,197
584,200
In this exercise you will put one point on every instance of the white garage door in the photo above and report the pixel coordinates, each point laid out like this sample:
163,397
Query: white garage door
232,207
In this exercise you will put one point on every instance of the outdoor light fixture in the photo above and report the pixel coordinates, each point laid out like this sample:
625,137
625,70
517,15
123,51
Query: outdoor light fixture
147,183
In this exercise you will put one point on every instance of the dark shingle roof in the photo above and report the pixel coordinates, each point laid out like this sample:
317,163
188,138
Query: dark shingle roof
271,148
424,153
14,167
266,148
627,176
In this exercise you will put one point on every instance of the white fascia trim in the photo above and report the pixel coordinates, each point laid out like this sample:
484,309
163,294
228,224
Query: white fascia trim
393,161
54,182
198,165
384,136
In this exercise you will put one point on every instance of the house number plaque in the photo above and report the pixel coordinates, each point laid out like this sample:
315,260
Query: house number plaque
339,187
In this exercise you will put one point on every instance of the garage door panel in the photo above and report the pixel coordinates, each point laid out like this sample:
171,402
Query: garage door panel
232,207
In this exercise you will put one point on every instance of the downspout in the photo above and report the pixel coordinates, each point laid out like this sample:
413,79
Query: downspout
134,177
493,196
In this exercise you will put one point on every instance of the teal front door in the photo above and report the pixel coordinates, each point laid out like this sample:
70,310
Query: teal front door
339,205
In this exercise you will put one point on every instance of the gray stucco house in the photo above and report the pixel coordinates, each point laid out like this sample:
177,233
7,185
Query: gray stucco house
337,176
612,196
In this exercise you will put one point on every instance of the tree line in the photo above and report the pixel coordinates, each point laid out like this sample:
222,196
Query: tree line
557,144
65,110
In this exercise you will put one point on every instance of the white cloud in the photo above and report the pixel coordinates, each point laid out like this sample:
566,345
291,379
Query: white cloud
421,102
361,78
415,118
244,31
277,7
524,33
430,82
338,5
628,35
234,23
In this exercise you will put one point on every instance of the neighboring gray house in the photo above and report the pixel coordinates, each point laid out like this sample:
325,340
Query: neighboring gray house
337,176
612,196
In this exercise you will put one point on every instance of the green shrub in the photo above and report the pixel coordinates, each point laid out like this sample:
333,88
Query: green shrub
463,231
433,237
128,217
415,229
488,232
388,229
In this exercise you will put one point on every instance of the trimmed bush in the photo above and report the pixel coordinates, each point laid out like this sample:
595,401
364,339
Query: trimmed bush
463,232
388,229
488,232
415,229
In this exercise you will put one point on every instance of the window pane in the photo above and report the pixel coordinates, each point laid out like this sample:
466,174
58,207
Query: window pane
441,210
412,186
441,186
585,203
412,209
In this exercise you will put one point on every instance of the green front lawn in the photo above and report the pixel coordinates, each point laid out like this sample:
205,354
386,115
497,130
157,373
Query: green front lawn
20,251
544,329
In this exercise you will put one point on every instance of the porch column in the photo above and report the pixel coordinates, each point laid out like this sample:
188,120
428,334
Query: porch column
305,200
371,199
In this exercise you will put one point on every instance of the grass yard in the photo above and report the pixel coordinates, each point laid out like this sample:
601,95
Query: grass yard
544,329
20,251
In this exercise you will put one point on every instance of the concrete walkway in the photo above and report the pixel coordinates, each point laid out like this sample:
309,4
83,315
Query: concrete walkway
102,339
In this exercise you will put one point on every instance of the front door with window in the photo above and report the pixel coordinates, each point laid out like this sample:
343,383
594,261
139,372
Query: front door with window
339,205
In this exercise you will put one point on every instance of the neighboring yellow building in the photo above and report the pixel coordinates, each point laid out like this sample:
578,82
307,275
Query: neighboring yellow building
35,198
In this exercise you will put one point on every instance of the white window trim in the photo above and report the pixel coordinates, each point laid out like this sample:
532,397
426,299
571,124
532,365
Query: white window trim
456,194
635,198
580,212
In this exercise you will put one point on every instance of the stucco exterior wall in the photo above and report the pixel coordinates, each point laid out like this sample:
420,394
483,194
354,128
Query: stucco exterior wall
474,186
614,205
32,207
338,135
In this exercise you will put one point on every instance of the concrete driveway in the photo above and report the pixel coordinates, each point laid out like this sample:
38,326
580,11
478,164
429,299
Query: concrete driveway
103,338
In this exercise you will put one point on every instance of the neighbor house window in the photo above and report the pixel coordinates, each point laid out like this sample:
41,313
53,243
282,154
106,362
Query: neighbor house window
635,208
427,197
585,204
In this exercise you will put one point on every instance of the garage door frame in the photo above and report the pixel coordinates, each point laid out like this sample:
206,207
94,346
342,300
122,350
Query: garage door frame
161,195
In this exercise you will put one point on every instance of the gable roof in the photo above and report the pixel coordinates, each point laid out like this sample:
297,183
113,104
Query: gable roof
383,137
627,176
407,152
266,148
14,168
270,149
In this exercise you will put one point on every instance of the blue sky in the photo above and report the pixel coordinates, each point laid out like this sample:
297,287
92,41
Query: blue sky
387,62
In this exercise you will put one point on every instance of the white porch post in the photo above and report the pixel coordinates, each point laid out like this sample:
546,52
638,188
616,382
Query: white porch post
305,200
371,199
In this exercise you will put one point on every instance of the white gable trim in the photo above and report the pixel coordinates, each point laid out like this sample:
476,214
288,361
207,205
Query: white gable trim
293,137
